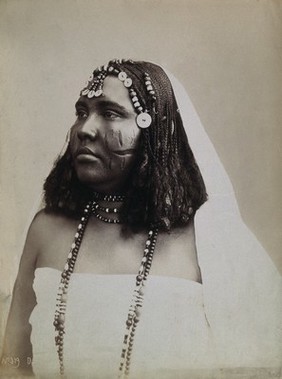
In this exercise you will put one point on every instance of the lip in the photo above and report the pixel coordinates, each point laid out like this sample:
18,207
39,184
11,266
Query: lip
85,154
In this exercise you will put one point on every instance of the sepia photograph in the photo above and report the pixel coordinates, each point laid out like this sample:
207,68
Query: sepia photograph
141,184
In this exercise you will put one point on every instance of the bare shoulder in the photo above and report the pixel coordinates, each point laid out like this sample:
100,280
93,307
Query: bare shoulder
53,234
41,231
46,224
176,254
180,236
47,221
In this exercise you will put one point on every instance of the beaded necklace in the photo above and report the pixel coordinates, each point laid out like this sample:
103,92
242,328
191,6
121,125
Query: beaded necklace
138,294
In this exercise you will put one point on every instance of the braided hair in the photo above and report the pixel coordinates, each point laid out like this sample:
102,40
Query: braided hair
165,187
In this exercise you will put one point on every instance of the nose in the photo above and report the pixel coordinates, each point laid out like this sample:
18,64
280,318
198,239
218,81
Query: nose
88,129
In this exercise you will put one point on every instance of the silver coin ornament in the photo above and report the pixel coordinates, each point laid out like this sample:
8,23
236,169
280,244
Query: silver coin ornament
98,92
122,76
91,94
143,120
127,82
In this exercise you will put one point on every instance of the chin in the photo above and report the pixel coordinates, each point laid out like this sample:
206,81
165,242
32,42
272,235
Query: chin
92,181
99,180
87,177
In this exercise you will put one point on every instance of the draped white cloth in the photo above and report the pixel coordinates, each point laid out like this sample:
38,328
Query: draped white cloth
235,314
242,287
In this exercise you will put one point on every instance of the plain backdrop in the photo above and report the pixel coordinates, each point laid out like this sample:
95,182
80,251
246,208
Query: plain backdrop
227,53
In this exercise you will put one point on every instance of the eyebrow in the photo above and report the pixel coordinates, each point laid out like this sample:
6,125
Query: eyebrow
104,103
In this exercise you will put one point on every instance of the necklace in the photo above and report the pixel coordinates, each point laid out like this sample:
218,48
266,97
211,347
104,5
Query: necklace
133,316
111,198
95,208
105,209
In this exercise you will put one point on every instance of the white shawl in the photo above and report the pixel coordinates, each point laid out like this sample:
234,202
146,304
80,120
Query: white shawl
242,287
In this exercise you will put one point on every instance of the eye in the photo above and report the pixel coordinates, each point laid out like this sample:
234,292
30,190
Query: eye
111,115
81,113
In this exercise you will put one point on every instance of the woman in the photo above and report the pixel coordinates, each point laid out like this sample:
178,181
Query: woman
126,208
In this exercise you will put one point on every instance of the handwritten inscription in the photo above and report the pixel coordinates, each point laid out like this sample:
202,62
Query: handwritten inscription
15,362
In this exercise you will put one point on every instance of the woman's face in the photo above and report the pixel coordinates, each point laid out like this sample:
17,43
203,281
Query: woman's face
104,138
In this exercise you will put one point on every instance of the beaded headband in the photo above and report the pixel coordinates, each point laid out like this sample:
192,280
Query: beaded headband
94,88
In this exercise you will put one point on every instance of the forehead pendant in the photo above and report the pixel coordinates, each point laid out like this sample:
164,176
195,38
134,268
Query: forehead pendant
94,85
94,88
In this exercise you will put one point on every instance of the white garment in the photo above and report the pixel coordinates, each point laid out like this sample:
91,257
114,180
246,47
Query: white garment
173,333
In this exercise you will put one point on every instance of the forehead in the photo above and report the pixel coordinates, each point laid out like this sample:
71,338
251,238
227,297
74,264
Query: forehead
114,91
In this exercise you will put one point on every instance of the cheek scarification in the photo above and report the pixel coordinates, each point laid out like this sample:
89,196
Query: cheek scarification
112,140
118,141
122,164
118,163
110,163
120,138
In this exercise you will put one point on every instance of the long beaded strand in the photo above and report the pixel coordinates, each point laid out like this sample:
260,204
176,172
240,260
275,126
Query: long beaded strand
59,319
136,304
